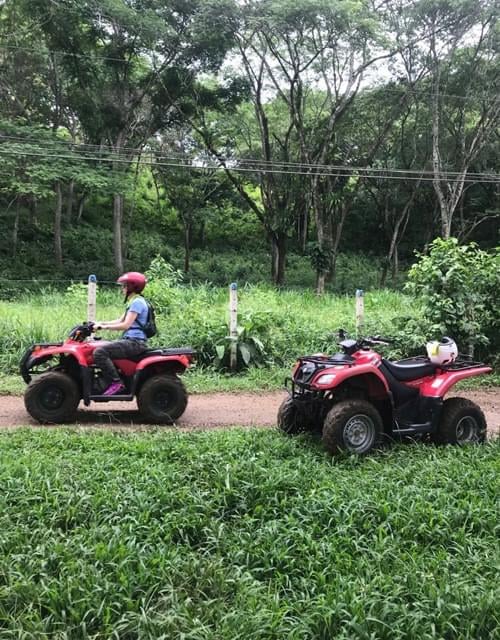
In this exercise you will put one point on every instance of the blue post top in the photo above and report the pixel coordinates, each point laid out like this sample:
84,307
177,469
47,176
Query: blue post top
359,293
233,285
92,278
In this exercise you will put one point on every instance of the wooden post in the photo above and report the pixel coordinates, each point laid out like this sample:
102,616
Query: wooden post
360,311
91,298
233,325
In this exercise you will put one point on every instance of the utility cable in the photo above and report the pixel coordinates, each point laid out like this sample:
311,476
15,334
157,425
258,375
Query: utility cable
334,173
253,163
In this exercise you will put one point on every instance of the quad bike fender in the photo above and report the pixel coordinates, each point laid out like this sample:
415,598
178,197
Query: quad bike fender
438,386
177,362
368,374
37,354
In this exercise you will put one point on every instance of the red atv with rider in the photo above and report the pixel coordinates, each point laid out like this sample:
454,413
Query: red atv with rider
357,397
61,374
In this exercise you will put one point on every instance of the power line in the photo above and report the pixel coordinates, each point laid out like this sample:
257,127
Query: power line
254,163
82,280
332,172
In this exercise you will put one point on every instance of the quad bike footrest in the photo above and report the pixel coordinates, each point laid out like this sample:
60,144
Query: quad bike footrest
412,429
117,397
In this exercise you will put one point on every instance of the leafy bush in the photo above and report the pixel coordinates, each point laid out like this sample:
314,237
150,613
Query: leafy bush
162,282
253,344
77,293
458,287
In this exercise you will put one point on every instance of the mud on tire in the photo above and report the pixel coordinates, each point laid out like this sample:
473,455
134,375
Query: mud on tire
52,397
290,420
462,422
352,425
162,399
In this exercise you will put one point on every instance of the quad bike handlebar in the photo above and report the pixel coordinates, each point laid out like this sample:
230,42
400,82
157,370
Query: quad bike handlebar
372,340
350,345
81,331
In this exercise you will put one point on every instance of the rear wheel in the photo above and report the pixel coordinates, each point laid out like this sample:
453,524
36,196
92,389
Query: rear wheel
290,420
462,422
162,399
52,397
353,426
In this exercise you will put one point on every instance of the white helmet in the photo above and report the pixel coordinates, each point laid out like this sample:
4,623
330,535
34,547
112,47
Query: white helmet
443,351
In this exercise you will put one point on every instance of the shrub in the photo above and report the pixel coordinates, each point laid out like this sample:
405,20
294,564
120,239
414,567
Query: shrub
457,286
253,341
162,281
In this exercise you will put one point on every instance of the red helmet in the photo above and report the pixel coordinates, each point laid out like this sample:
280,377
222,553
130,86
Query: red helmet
133,280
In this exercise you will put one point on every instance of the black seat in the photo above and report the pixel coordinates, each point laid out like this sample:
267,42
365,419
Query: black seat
163,351
410,368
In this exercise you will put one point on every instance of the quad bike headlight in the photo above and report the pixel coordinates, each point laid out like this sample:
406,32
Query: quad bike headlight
327,378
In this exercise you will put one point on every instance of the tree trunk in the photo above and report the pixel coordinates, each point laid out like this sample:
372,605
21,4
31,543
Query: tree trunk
187,246
57,224
278,257
201,235
320,283
395,264
33,208
81,204
118,209
117,231
15,231
69,203
344,210
303,229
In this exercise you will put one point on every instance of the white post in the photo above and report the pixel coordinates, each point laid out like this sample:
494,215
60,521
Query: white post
360,310
233,325
91,297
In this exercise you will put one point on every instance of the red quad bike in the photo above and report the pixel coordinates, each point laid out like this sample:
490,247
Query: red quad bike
61,374
357,398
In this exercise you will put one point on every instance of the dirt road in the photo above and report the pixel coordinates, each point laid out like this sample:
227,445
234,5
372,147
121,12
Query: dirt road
209,410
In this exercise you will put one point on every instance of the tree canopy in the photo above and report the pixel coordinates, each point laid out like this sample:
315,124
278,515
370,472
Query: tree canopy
353,126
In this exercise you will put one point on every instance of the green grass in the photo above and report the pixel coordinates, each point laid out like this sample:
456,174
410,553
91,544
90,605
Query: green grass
244,534
289,324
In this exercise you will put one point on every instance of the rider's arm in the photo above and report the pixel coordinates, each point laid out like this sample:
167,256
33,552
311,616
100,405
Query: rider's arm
118,325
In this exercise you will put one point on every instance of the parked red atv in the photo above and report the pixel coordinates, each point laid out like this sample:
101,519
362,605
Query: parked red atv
356,397
61,374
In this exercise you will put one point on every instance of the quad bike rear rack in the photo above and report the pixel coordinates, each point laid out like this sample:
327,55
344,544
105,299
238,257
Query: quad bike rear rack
462,364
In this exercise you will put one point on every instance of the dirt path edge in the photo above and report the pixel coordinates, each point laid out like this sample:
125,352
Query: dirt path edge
210,410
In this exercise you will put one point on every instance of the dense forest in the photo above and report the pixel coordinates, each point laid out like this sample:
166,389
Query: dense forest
251,139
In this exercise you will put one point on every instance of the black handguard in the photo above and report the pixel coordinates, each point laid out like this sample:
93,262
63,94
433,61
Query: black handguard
81,331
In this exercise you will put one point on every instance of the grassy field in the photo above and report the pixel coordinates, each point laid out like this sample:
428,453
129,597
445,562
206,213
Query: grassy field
287,323
244,534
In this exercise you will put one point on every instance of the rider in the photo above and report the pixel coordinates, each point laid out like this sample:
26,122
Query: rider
133,341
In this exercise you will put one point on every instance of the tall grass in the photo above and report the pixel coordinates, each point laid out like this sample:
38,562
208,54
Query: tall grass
244,535
290,323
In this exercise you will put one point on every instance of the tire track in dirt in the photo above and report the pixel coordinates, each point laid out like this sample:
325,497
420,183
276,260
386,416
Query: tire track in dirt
208,411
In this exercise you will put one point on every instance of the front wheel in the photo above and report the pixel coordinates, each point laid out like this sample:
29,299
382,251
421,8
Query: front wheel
353,426
162,399
52,397
462,422
290,420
